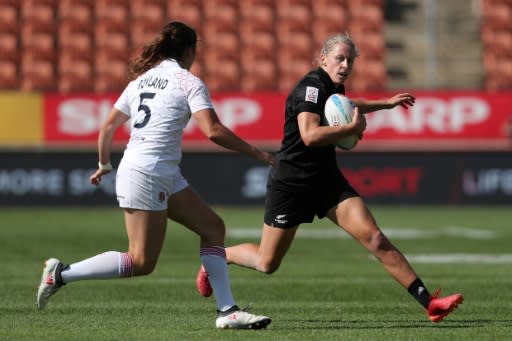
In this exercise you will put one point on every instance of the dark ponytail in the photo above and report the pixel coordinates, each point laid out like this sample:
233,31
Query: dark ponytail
171,42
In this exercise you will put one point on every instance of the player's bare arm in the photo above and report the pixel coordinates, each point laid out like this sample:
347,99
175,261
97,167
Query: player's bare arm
365,106
114,120
314,134
221,135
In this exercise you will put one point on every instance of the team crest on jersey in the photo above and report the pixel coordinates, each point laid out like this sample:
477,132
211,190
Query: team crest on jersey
311,94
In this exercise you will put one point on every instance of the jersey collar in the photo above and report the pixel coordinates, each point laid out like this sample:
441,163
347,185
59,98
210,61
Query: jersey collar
324,76
169,62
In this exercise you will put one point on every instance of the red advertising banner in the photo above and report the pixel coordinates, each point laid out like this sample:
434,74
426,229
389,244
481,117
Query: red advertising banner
76,119
439,119
446,119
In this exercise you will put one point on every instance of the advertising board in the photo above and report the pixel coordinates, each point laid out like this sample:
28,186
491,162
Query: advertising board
438,120
404,178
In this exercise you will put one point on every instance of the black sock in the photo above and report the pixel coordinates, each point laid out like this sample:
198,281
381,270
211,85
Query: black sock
418,290
228,311
58,278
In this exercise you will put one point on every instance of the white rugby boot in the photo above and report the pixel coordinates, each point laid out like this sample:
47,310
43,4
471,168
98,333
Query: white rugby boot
51,281
236,318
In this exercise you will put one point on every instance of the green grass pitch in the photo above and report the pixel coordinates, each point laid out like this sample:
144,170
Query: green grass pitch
328,287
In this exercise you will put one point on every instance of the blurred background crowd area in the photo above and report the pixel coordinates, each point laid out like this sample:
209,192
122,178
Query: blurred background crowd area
71,46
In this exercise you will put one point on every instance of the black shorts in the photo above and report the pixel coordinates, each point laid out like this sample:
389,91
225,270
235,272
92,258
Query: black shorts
288,206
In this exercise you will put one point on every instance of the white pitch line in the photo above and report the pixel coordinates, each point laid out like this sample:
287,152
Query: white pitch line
306,232
504,258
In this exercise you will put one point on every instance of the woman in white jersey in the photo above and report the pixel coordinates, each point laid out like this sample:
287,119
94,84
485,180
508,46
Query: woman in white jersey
149,186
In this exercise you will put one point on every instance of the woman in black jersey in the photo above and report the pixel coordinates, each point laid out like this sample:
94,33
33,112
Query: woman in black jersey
308,181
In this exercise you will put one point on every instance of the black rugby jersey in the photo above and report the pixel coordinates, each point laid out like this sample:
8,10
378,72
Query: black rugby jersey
298,163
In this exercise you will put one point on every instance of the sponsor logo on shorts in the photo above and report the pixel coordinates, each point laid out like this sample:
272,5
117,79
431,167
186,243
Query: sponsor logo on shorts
280,219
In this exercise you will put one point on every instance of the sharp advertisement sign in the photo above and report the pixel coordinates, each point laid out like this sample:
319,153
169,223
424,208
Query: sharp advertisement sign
439,120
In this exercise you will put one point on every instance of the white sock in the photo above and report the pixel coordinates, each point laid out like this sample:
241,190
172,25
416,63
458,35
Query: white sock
214,262
111,264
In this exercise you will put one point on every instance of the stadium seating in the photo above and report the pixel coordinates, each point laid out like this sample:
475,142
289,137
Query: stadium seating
10,55
37,73
110,74
197,68
243,45
258,69
142,31
497,14
41,12
257,38
221,35
8,74
496,35
368,75
292,65
116,12
221,70
294,10
75,59
257,32
188,11
222,11
74,73
150,10
329,17
78,11
38,40
372,46
259,12
9,17
9,46
367,13
111,38
75,36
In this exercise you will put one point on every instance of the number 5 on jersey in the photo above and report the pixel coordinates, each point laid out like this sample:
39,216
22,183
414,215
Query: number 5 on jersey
143,107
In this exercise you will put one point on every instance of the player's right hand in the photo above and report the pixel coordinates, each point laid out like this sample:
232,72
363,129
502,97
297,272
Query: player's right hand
358,122
95,178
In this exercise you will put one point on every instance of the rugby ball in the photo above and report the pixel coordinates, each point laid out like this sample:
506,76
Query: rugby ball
338,111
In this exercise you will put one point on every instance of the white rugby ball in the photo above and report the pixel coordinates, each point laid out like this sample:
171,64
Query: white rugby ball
338,111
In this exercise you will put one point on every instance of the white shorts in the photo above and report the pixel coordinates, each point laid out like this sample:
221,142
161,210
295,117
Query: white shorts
138,190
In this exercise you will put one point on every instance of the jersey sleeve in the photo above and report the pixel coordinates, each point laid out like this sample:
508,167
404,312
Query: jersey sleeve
198,96
122,104
310,96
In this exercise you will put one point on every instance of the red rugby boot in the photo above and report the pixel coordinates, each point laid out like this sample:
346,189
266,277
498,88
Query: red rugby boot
440,307
202,283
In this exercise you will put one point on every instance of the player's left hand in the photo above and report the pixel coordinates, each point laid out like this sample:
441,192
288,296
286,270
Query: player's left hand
404,99
269,159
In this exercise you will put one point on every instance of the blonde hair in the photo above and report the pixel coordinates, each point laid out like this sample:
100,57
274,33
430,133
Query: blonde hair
344,38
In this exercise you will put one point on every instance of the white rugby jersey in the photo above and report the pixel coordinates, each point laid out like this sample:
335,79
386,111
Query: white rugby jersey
159,103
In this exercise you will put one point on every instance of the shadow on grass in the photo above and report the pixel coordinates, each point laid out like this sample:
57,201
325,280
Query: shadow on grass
388,324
